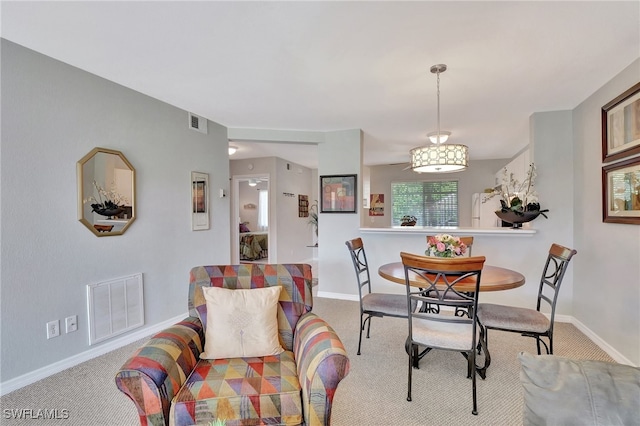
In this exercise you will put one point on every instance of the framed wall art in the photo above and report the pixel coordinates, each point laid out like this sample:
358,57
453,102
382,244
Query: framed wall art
621,126
338,193
621,192
199,201
303,205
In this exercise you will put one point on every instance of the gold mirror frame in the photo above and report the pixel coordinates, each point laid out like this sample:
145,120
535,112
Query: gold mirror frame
106,175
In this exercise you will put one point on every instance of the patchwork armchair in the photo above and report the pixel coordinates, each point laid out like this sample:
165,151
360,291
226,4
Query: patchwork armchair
170,385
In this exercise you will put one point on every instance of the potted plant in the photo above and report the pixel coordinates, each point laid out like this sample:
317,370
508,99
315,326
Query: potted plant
313,217
109,203
519,200
408,221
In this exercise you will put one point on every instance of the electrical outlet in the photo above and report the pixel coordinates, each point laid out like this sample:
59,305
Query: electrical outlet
71,323
53,329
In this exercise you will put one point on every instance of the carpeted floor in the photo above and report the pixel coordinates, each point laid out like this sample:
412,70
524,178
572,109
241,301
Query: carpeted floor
373,393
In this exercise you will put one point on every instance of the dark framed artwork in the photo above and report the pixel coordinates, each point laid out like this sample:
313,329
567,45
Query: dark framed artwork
621,126
199,201
621,192
338,193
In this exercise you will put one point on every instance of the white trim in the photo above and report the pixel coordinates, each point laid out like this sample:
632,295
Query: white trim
613,353
340,296
44,372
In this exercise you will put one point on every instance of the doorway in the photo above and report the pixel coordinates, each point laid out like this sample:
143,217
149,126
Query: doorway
251,239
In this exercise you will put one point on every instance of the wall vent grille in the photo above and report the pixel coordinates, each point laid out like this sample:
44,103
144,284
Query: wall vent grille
115,307
197,123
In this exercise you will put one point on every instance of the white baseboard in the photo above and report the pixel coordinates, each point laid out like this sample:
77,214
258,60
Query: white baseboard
44,372
617,356
340,296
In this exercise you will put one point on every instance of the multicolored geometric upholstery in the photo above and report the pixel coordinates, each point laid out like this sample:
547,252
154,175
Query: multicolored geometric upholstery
236,389
169,384
156,371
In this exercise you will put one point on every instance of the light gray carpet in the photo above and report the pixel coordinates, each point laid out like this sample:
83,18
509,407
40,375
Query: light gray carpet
374,392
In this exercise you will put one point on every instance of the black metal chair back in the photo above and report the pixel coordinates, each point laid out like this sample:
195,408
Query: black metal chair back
552,276
359,259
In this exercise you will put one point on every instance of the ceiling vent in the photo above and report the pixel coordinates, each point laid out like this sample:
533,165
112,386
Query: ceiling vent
197,123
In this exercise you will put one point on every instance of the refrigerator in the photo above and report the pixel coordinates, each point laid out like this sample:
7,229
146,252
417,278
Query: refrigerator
483,211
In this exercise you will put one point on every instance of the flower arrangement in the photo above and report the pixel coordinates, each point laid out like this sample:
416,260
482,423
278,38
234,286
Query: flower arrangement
519,197
445,245
108,203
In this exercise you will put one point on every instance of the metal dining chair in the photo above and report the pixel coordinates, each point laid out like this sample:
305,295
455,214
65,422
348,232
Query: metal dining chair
532,322
373,304
444,331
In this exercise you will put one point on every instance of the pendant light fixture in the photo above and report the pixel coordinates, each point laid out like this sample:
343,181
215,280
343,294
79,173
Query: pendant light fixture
439,157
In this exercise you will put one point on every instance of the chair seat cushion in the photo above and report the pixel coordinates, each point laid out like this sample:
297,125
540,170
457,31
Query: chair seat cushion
512,318
243,391
389,304
447,335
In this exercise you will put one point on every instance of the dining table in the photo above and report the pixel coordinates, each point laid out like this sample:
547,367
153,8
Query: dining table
493,278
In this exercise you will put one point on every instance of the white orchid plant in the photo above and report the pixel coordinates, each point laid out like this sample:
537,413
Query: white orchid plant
111,199
516,196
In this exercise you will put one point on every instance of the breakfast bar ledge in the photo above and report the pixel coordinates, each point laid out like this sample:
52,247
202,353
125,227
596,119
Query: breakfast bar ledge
451,230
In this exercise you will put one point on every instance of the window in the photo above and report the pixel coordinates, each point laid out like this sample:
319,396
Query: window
432,203
263,210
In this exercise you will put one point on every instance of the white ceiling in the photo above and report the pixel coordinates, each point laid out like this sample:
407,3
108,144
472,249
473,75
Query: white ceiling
321,66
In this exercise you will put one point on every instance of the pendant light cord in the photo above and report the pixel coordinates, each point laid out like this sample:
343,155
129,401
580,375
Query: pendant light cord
438,95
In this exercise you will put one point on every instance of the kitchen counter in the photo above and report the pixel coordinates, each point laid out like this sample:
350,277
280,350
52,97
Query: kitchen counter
452,230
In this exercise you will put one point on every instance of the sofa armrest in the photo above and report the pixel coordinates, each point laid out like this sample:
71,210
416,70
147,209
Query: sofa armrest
322,363
560,391
158,369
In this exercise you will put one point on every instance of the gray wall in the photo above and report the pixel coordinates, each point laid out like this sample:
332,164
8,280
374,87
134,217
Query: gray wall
607,268
479,175
52,115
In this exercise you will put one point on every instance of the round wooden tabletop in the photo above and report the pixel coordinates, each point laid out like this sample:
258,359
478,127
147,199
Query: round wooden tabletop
493,278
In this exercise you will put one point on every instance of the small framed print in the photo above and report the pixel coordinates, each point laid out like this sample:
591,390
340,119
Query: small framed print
621,126
621,192
199,201
338,193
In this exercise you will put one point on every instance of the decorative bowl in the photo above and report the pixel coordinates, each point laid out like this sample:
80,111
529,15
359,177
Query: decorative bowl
516,219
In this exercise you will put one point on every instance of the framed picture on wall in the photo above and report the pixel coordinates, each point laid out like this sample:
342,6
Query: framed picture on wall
621,192
199,201
621,126
338,193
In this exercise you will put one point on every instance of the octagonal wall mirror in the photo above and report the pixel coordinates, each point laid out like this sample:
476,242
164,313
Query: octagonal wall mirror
106,192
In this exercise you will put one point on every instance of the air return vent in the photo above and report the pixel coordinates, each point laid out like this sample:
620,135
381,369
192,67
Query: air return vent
197,123
115,307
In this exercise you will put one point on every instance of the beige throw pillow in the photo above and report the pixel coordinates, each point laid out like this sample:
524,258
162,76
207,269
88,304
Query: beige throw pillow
241,323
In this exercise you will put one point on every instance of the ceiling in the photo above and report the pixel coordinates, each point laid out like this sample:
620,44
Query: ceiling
322,66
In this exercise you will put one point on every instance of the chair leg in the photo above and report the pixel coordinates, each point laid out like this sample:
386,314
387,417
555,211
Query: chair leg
368,326
550,349
360,338
411,352
472,366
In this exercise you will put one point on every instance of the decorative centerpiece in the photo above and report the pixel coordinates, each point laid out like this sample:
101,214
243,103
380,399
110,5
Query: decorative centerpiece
445,245
109,203
519,200
408,221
